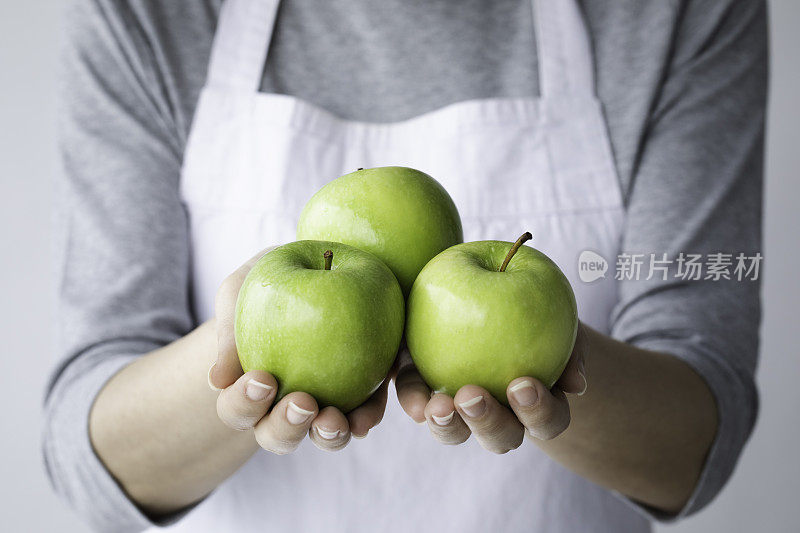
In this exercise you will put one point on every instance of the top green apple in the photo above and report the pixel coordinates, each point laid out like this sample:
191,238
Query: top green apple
401,215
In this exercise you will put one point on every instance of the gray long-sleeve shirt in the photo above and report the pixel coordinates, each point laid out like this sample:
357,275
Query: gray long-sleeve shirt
683,85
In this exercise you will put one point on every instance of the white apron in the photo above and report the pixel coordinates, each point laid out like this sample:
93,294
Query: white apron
540,164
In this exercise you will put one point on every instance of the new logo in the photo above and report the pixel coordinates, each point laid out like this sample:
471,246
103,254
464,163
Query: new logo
591,266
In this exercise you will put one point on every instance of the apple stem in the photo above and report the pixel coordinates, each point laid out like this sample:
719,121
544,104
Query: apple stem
328,255
514,247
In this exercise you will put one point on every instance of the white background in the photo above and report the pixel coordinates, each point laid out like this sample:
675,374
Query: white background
764,493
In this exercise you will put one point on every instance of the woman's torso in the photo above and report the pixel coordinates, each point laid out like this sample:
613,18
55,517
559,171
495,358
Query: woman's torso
510,164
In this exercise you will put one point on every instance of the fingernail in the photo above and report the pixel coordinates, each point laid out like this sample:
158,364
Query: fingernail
524,393
359,437
211,385
474,407
443,420
585,383
327,435
297,415
256,390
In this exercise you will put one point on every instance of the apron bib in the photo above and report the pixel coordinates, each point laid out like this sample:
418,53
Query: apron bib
510,164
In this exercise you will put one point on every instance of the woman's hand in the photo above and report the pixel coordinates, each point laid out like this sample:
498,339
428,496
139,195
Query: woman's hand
536,411
245,400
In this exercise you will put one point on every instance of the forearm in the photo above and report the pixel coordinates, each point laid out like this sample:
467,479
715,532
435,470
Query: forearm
643,427
155,426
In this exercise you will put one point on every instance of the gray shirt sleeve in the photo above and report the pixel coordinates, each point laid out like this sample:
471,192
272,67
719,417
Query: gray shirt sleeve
122,258
697,188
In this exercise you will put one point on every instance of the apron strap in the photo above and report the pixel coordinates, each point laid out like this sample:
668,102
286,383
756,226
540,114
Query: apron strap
565,59
244,31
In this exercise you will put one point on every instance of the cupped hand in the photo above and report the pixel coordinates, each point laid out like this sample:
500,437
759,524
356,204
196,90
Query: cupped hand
246,399
535,410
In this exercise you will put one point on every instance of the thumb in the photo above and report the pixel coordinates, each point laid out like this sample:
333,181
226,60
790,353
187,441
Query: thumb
227,369
573,379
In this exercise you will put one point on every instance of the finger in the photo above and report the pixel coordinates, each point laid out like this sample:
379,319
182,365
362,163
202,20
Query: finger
247,401
285,427
445,424
330,430
495,427
544,414
370,413
573,379
412,392
227,368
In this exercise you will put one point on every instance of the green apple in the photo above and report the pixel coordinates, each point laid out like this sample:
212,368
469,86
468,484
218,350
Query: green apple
485,313
401,215
328,324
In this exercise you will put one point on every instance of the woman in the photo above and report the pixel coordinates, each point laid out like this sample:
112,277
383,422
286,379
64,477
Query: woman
626,127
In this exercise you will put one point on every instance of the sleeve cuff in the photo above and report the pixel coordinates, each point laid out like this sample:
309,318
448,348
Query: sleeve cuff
74,469
737,406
